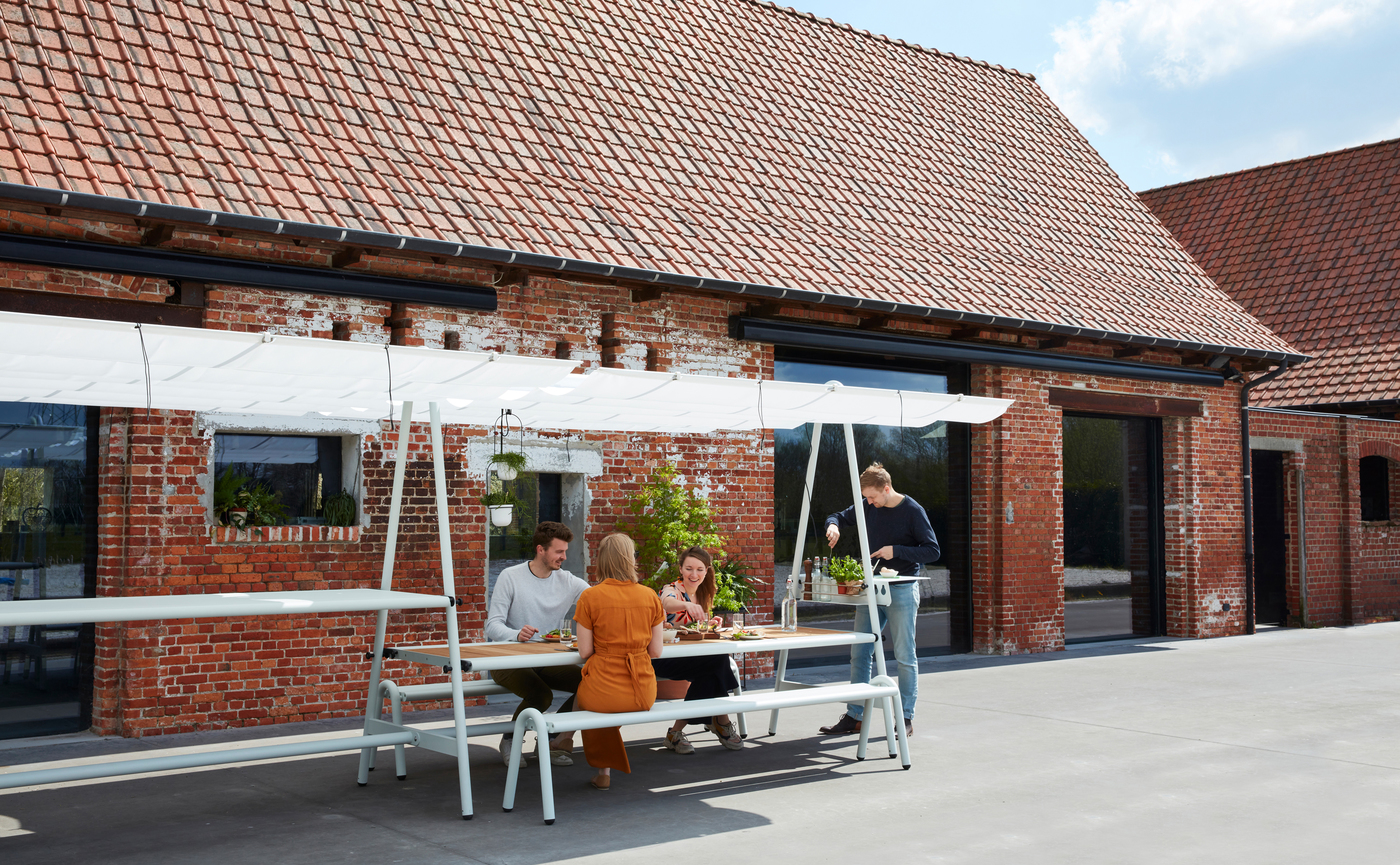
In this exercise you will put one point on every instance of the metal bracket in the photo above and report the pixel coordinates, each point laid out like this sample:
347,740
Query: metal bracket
466,667
454,602
387,653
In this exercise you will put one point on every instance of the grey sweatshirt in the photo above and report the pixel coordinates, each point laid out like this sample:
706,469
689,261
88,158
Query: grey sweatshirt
521,598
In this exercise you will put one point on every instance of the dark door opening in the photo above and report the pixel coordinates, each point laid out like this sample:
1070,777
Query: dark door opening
1113,555
1270,539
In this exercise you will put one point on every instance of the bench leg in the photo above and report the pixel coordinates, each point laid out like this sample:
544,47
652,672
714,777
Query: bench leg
739,692
373,709
895,710
777,686
517,747
542,734
865,730
396,714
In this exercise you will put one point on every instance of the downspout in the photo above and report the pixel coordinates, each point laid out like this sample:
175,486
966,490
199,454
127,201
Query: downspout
1249,487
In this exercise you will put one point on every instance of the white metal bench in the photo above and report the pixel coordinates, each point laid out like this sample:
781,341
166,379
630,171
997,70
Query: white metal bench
881,690
397,695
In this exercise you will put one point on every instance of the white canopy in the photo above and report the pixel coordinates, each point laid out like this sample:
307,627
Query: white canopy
101,363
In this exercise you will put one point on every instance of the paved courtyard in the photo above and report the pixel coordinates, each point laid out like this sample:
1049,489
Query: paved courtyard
1275,748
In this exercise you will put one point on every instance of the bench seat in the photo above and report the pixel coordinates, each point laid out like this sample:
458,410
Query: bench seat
882,691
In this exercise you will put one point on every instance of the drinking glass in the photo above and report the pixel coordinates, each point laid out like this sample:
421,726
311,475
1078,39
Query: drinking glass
566,629
738,619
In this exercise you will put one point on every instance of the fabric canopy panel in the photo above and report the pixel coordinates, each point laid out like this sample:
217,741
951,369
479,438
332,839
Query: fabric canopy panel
101,363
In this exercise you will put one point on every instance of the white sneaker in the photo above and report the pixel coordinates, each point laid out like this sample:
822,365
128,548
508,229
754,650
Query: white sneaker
676,741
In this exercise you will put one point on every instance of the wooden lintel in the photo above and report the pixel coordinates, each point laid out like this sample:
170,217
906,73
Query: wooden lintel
1083,399
102,308
347,256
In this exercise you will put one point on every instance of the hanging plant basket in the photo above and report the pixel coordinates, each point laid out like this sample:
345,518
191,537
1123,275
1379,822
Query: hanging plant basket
501,515
508,464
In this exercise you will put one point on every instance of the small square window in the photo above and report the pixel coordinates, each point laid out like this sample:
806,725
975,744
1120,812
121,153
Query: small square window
303,470
1375,488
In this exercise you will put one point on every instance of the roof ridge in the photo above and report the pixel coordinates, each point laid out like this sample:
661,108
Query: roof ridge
831,22
1265,167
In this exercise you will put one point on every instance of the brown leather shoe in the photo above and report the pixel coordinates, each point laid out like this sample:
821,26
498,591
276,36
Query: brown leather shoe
601,782
844,726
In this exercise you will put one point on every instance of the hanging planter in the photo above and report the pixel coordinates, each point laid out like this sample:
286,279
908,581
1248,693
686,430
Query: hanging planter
508,464
501,507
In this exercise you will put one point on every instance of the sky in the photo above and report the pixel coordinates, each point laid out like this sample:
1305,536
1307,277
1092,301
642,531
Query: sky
1171,91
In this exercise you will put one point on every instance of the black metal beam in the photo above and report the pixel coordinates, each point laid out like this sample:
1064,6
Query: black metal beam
799,335
213,270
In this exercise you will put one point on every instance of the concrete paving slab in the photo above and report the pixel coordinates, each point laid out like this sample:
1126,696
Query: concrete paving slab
1274,748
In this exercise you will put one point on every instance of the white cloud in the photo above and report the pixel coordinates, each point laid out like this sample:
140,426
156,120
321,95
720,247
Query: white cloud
1170,44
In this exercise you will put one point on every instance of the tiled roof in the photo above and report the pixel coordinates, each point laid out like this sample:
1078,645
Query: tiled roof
721,138
1311,247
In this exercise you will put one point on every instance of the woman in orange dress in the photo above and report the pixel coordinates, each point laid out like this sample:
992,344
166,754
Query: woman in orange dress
619,632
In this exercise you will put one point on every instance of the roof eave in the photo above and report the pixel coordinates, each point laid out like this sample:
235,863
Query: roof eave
214,219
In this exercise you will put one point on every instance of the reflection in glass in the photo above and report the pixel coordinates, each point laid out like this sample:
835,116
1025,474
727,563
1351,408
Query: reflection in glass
919,464
1112,516
46,551
305,470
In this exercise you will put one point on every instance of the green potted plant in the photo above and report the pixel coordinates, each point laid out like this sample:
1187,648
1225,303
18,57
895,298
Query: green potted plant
848,574
228,510
339,509
500,504
508,464
265,507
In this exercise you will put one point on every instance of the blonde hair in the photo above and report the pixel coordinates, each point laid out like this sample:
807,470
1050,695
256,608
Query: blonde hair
617,559
874,477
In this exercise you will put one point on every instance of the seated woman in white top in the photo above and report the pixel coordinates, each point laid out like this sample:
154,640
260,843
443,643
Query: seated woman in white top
687,600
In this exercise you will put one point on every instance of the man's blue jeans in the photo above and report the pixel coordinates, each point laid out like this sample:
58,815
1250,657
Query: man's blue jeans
900,616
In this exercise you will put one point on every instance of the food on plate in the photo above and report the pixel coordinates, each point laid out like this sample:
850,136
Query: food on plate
888,572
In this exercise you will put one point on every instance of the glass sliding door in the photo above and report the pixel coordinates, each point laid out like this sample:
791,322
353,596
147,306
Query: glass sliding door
1112,527
928,464
48,549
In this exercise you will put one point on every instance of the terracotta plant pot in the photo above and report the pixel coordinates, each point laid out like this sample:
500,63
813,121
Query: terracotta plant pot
850,588
671,689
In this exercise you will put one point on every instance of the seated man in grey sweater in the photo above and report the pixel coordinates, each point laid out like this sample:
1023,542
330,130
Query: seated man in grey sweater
531,598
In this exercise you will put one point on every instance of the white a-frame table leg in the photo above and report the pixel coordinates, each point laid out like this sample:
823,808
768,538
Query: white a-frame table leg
870,601
454,647
374,705
797,575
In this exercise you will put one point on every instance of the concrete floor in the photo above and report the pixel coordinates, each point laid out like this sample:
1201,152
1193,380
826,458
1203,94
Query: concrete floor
1279,747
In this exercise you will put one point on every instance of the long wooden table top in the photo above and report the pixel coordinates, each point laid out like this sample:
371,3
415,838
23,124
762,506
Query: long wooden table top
483,657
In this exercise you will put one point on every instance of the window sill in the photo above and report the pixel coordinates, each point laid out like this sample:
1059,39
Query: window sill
286,535
1378,524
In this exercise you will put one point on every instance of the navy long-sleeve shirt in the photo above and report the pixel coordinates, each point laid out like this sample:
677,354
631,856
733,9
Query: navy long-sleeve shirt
905,527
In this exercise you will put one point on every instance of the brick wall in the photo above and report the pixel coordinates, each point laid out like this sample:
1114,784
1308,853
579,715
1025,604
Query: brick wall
1018,516
1353,567
155,534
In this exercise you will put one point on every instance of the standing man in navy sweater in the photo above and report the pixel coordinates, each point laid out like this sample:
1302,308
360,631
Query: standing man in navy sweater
901,538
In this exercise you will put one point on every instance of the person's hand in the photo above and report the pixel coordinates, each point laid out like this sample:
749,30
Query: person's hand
716,622
885,552
694,612
527,633
833,535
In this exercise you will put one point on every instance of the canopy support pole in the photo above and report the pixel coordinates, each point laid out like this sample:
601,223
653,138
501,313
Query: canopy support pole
454,648
865,550
374,705
798,576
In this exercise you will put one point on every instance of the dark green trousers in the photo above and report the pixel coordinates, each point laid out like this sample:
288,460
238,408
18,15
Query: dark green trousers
535,687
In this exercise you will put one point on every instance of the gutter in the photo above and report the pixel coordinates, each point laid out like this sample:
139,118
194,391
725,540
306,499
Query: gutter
1246,459
210,219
